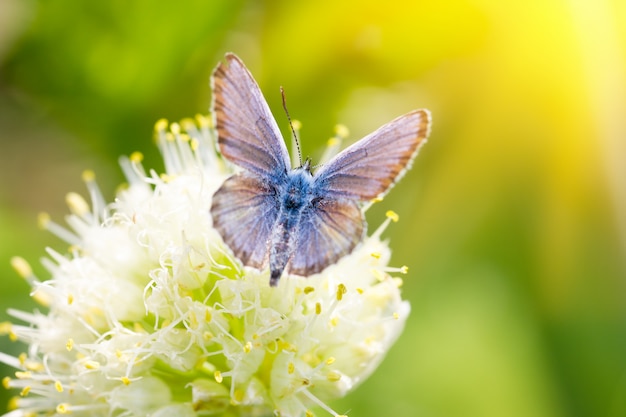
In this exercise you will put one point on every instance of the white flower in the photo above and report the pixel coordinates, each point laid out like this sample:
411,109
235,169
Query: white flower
150,314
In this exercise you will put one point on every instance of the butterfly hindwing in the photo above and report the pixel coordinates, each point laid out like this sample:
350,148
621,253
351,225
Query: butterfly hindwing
244,211
372,165
248,135
328,230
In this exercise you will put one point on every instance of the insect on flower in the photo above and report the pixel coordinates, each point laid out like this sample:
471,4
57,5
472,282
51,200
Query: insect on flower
293,219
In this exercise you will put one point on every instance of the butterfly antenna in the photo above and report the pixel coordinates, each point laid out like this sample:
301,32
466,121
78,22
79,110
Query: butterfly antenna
295,137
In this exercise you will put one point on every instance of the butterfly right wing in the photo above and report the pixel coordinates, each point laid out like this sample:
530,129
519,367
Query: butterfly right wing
328,230
244,211
247,133
370,167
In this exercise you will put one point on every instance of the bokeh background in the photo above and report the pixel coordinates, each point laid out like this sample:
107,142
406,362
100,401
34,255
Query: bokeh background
512,221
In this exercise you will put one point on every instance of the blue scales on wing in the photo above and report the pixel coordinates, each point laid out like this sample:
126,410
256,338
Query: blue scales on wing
244,211
328,230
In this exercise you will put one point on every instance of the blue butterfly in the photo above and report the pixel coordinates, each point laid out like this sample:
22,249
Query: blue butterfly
297,221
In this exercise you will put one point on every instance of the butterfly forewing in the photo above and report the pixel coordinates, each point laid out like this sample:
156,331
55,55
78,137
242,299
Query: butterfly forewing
244,211
328,230
372,165
248,135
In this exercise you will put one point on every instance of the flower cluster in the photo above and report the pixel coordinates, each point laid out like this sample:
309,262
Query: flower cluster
148,313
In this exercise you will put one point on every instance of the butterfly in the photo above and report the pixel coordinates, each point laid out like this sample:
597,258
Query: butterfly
292,219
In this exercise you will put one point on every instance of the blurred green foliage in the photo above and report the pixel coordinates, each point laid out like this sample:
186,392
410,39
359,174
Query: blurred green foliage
512,220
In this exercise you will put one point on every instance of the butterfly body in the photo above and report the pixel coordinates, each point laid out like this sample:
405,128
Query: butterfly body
294,195
295,220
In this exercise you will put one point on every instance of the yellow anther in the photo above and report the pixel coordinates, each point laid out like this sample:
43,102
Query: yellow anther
92,365
63,408
13,403
297,124
77,204
34,366
6,382
332,142
175,128
6,327
204,121
308,290
207,316
58,386
170,137
69,345
330,360
396,316
136,157
334,321
24,392
185,137
287,347
187,123
160,125
291,368
333,376
404,269
207,336
309,413
194,144
318,308
247,347
341,290
88,175
21,266
43,220
360,290
375,255
376,200
70,299
218,377
125,380
393,216
342,131
23,375
22,358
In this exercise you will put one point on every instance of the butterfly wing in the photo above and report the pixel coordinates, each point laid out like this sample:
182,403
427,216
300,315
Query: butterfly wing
244,210
369,168
247,133
328,230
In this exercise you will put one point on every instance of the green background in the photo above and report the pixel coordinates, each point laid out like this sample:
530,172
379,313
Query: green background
512,221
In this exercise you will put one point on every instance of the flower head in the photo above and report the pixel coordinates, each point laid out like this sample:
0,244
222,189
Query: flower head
150,314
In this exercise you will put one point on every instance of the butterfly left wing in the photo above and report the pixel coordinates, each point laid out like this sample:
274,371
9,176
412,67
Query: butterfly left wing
244,209
247,133
328,230
369,168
